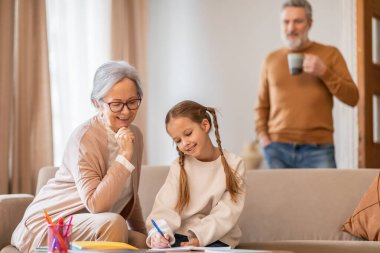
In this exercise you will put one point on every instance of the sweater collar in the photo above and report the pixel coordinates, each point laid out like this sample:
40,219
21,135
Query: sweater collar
311,44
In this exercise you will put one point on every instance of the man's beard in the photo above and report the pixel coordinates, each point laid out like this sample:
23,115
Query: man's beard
293,44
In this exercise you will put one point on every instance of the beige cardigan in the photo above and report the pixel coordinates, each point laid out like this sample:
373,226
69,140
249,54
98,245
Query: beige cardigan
82,184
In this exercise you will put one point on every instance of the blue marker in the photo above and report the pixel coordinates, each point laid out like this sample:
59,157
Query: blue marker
158,229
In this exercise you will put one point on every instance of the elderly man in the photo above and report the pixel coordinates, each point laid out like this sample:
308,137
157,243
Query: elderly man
294,120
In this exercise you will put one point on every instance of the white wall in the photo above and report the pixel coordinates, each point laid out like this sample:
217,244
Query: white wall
210,51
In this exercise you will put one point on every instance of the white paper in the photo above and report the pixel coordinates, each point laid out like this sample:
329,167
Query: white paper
189,248
235,251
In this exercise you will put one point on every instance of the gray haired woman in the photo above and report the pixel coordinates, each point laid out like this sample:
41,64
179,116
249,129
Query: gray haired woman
99,176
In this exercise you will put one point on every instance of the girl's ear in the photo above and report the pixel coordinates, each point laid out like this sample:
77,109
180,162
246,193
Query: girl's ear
205,124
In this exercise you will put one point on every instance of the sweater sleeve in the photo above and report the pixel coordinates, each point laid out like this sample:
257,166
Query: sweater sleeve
338,80
262,104
224,216
165,202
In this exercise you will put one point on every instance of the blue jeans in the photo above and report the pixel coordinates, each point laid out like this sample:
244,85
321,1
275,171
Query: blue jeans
285,155
182,238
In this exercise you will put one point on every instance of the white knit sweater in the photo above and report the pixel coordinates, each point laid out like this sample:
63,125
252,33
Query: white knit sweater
211,214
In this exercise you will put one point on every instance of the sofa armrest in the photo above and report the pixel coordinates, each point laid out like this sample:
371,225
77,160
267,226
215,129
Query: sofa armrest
12,208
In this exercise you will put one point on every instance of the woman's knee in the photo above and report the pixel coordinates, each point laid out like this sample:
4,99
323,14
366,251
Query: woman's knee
114,228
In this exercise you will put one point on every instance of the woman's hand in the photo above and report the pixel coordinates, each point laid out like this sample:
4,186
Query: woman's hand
157,241
125,138
192,242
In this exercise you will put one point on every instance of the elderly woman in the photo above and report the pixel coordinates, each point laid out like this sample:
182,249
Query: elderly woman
98,180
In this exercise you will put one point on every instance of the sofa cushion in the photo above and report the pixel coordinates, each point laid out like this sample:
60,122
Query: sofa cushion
365,221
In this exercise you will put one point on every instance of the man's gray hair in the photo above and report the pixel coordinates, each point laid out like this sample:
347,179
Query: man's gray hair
110,73
300,3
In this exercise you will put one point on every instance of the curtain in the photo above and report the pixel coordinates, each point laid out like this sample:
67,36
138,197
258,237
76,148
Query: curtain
129,36
6,42
79,35
25,126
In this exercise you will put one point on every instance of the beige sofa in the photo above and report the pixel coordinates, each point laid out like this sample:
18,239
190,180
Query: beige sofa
294,210
12,208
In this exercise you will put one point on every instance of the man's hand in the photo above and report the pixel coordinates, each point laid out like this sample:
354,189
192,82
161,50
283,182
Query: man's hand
264,140
312,64
125,139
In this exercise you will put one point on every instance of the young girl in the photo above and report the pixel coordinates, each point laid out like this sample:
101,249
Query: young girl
203,196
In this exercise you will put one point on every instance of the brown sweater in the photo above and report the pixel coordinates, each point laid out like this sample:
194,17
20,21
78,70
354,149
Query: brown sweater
298,109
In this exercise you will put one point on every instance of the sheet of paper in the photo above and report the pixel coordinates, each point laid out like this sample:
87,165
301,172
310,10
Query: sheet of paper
189,248
235,251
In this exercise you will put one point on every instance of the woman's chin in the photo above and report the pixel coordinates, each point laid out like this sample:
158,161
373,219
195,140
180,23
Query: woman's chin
121,124
116,127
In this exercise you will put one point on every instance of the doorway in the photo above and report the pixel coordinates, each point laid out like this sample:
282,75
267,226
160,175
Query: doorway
368,50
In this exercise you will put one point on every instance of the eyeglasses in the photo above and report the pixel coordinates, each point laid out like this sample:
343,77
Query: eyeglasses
133,104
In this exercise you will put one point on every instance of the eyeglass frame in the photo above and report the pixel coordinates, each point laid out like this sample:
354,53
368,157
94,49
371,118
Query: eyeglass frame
124,104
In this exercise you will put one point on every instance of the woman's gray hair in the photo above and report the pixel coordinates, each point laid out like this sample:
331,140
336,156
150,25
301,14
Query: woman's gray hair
300,3
110,73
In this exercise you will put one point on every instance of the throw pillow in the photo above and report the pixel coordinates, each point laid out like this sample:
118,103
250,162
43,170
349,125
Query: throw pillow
365,221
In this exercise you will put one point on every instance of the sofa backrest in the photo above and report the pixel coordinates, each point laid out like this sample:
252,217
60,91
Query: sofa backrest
299,204
152,178
44,175
307,204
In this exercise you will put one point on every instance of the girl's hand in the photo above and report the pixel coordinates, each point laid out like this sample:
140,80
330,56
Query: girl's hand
125,138
157,241
192,242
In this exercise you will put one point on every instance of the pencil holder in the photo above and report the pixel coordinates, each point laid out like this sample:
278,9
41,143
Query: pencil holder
54,242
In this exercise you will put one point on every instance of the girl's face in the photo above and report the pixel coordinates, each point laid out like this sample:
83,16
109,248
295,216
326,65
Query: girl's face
122,92
190,137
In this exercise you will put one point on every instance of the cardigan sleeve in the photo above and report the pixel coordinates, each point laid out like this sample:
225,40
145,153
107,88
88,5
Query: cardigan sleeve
98,187
135,218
